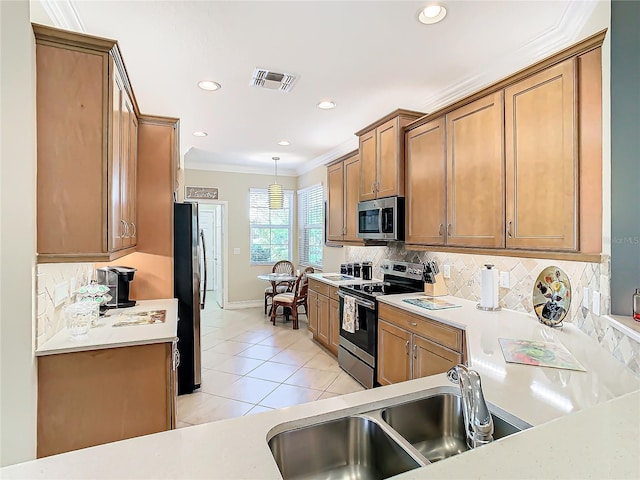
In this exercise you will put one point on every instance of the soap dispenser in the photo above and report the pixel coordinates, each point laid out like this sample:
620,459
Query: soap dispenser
636,305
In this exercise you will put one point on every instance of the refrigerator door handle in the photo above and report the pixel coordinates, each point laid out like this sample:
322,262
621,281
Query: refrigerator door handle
204,262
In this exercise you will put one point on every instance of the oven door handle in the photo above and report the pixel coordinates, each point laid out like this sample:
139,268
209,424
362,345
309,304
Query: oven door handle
365,303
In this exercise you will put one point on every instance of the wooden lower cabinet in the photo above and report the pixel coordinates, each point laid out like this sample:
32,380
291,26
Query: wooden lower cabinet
334,325
323,319
411,347
312,314
429,358
324,314
394,363
100,396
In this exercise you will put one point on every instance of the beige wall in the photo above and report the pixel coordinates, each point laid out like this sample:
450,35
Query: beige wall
17,235
332,257
234,188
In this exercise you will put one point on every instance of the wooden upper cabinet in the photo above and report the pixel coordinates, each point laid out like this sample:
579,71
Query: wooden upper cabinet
382,155
335,201
368,166
425,166
541,161
351,198
86,138
523,163
390,165
343,183
475,174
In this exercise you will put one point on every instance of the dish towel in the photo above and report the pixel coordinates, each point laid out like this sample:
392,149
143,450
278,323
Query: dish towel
350,315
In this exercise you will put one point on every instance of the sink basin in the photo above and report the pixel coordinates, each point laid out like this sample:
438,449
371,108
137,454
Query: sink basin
338,278
394,438
351,447
435,425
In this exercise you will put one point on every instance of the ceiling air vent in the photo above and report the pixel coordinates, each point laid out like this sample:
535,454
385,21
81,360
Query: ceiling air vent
264,78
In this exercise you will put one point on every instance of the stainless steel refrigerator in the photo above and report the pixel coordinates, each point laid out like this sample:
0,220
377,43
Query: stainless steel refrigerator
186,255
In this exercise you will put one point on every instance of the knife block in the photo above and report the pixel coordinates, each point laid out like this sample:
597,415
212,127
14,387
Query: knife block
438,289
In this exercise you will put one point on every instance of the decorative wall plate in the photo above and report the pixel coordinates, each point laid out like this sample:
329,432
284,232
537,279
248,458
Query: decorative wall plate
552,296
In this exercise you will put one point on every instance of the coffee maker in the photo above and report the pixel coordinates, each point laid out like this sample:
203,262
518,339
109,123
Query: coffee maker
117,279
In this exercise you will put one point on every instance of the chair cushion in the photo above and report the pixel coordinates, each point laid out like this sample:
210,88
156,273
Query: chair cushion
279,289
284,298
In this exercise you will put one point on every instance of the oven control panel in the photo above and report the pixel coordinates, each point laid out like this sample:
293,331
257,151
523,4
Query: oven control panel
402,269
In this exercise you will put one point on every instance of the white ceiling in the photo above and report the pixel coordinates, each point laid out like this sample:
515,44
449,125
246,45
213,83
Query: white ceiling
370,57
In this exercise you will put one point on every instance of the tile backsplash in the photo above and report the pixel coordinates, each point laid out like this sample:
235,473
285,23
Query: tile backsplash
465,283
68,277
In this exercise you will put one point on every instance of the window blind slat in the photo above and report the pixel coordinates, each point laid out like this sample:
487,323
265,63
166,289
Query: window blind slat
311,225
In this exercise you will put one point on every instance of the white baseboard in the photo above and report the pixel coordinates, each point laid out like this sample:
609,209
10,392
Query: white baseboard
244,304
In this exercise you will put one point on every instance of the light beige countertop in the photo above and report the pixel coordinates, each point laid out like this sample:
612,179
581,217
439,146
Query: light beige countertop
584,424
105,335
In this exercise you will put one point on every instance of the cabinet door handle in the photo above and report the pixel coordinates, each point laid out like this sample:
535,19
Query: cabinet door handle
449,230
373,187
377,186
415,351
406,347
509,229
413,324
135,229
440,230
125,229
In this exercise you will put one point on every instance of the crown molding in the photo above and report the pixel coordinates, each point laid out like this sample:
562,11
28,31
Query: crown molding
548,42
342,149
63,14
227,167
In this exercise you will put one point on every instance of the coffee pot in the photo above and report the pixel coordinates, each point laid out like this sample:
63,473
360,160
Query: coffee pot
118,280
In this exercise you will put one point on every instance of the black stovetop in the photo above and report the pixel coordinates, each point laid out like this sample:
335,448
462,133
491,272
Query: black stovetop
372,290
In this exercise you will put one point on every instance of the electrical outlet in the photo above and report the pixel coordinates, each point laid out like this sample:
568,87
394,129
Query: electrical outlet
585,297
446,271
595,303
236,251
505,280
60,293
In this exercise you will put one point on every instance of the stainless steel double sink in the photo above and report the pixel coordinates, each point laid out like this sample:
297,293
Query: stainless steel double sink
383,442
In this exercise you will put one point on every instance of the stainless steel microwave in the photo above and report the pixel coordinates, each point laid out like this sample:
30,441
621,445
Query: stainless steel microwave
381,219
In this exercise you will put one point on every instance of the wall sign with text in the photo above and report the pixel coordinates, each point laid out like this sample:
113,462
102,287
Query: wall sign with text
207,193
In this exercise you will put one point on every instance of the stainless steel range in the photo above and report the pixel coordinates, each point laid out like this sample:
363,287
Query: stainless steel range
358,349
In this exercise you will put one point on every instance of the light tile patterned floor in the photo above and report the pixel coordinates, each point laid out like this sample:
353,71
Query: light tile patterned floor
250,366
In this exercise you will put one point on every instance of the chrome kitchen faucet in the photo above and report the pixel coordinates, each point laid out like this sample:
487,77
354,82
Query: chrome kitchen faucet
478,423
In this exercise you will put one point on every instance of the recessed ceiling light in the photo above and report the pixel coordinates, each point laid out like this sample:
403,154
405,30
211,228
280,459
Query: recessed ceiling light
284,143
200,134
327,105
209,85
432,14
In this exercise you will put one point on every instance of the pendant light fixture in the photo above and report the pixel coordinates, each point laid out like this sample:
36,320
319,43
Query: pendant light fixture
275,190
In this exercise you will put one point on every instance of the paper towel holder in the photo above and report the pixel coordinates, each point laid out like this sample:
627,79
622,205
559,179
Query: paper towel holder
488,309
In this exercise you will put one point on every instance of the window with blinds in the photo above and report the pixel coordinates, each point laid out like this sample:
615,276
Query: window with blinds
310,226
271,230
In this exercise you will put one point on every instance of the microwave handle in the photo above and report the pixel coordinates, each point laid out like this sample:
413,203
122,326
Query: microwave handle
380,213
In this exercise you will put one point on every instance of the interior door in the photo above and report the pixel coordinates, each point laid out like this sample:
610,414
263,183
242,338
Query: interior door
207,219
218,255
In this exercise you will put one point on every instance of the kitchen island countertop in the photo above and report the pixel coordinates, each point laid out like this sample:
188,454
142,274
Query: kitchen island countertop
105,335
586,423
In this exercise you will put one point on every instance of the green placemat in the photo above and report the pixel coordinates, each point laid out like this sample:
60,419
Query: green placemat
430,303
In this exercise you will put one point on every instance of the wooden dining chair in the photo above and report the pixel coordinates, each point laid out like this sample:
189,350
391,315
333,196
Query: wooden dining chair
283,266
291,301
